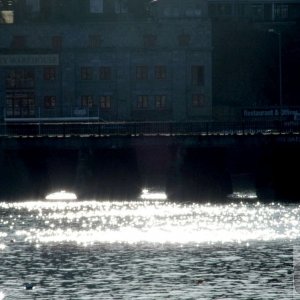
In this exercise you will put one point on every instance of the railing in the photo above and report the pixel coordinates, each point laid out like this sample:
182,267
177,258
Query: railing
66,129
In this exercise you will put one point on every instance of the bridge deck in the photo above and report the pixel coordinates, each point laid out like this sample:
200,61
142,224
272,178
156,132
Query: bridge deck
98,129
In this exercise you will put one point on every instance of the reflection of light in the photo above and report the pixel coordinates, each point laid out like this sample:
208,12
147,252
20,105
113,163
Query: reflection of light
243,195
89,222
2,295
153,195
61,195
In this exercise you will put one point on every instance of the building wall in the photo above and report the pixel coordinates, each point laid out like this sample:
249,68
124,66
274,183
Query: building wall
156,67
245,39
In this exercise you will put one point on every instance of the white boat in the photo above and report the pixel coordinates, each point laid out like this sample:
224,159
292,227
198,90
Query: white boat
61,195
152,194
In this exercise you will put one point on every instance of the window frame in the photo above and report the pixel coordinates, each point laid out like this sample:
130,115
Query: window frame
49,102
142,102
142,72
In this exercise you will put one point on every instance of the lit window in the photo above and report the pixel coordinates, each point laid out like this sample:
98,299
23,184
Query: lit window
95,41
6,16
96,6
198,100
141,72
105,73
105,102
142,102
87,101
160,102
49,101
160,72
50,73
197,75
86,73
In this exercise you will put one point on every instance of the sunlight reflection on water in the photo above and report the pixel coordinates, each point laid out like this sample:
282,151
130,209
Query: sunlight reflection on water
87,222
147,250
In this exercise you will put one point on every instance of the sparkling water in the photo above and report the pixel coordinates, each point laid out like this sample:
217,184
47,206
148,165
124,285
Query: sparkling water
147,250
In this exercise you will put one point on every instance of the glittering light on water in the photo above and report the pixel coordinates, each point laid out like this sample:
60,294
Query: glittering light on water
153,195
243,195
89,222
61,195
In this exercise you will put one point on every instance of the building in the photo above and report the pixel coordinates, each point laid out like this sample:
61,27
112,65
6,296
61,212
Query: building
277,11
112,60
248,37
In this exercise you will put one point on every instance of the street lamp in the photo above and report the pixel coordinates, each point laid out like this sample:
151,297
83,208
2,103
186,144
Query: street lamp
278,33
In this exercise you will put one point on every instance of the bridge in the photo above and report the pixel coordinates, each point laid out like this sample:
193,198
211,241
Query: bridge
48,128
193,160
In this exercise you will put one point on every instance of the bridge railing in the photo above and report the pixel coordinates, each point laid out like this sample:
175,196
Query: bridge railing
146,128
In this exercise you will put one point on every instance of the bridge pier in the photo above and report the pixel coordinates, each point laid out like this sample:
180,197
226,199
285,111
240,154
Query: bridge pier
189,168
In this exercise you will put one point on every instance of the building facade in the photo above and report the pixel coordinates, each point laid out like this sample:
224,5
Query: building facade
256,56
255,10
112,60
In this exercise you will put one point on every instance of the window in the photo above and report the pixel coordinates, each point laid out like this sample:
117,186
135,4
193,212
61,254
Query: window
19,79
197,100
57,42
18,42
141,72
49,101
184,40
160,102
160,72
150,40
257,11
20,104
281,11
121,6
197,75
95,41
49,73
86,73
171,12
105,102
105,73
33,5
96,6
224,9
142,102
87,101
6,16
6,4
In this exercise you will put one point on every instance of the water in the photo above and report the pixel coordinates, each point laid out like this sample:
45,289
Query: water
147,250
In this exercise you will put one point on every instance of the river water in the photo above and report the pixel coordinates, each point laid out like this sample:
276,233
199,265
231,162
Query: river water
148,250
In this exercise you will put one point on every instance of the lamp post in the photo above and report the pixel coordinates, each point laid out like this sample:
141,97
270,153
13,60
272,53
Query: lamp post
278,33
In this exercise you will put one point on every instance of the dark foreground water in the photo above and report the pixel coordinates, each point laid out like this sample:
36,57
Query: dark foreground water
147,250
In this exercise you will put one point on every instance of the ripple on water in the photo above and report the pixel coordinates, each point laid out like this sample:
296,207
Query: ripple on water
137,250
